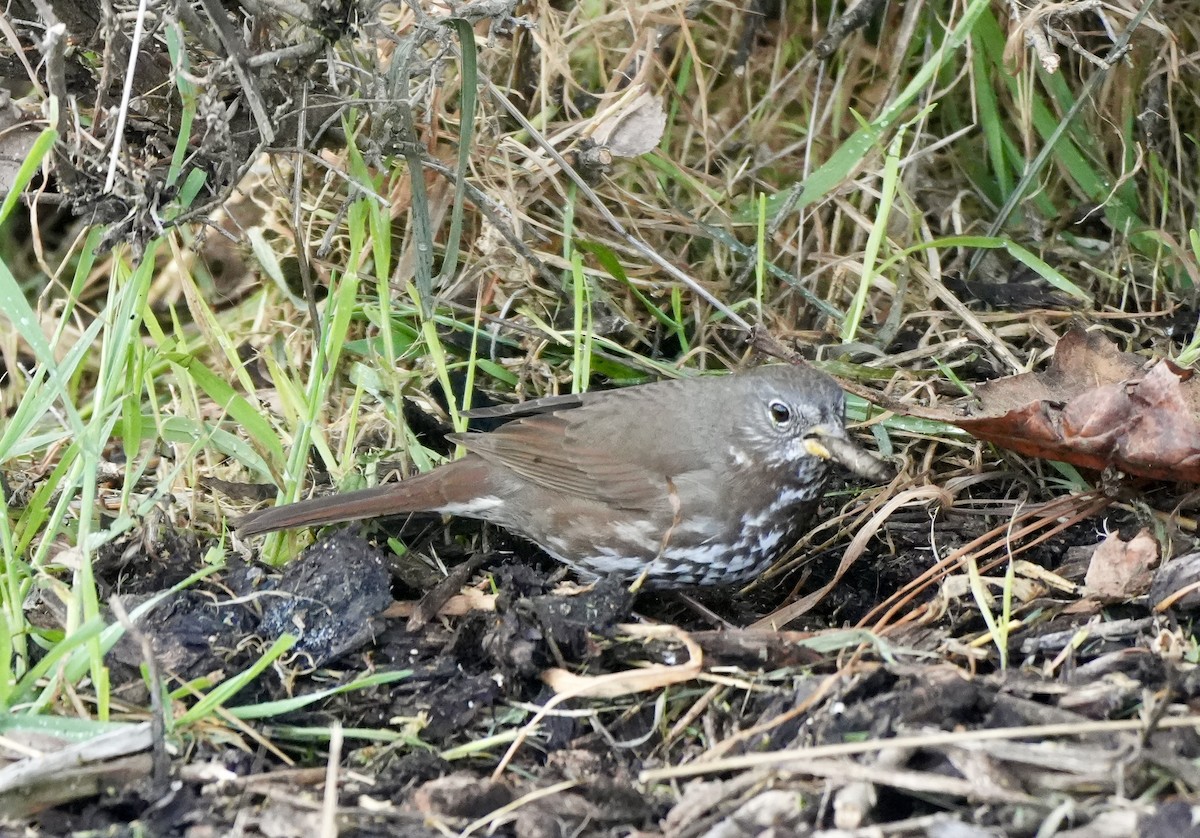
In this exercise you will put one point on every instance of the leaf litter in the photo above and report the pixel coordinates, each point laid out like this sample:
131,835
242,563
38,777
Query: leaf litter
1098,408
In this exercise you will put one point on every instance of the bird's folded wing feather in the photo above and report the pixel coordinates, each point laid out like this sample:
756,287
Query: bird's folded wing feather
527,408
539,449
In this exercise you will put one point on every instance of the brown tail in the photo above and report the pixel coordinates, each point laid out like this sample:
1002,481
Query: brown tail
454,485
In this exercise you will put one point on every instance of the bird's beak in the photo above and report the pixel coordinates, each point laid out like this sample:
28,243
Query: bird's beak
814,444
832,444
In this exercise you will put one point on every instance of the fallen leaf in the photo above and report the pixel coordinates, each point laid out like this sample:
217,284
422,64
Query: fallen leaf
636,129
1096,407
1121,570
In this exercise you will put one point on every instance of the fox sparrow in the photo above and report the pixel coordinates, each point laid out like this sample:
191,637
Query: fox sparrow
700,481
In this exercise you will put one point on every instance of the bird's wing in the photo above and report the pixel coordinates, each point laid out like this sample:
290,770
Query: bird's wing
531,407
543,449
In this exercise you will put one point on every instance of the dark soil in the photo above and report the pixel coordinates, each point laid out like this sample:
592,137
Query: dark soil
471,677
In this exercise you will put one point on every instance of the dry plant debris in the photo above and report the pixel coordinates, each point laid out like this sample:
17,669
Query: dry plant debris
1122,570
1098,408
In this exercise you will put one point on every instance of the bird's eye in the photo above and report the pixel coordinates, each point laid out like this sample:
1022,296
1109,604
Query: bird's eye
781,414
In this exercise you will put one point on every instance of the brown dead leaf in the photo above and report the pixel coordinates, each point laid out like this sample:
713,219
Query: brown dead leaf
1121,570
1096,407
635,129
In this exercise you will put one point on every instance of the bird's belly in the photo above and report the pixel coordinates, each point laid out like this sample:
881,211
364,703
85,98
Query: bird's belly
696,550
